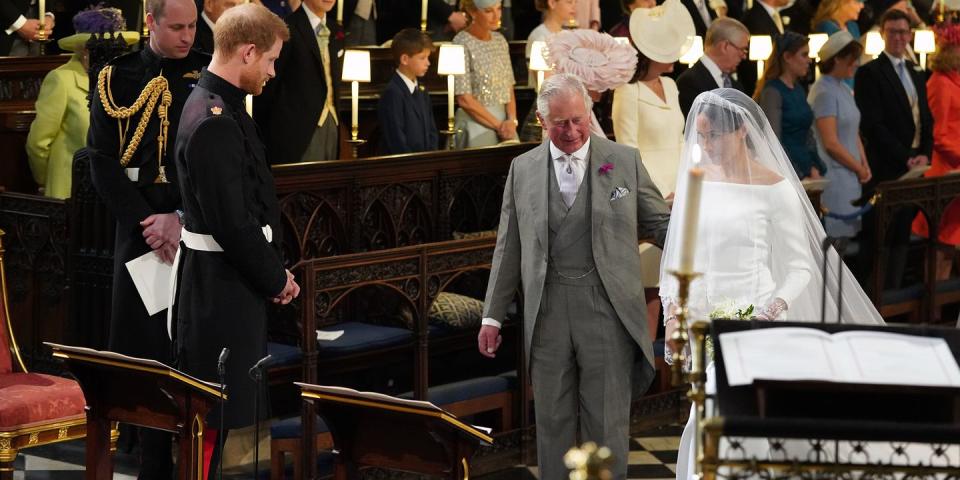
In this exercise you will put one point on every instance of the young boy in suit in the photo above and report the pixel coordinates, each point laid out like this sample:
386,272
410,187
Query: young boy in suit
404,109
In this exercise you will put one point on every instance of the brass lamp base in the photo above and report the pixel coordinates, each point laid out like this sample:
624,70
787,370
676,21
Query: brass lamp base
355,144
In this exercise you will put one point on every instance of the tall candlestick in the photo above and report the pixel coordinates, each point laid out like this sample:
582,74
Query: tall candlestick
450,101
340,12
423,15
355,108
691,217
42,35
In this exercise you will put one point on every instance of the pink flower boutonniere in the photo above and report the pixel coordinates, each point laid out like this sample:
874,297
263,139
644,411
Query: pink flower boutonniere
605,168
340,35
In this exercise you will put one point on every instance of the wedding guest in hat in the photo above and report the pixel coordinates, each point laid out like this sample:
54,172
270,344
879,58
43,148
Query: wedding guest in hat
63,117
647,115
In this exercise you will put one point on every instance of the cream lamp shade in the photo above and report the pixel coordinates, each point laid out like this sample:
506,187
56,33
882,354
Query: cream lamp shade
923,41
816,41
874,44
356,66
538,62
761,47
693,54
451,61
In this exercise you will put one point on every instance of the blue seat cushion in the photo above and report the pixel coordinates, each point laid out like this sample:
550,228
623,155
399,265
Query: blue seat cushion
658,348
900,295
290,428
360,337
283,355
465,390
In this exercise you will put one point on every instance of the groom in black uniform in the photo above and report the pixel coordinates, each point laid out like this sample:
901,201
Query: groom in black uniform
230,264
134,174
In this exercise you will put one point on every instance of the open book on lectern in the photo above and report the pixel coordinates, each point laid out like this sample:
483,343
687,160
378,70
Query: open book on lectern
105,357
856,356
379,400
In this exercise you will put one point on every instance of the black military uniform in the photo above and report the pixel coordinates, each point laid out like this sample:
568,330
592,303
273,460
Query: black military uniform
134,189
230,266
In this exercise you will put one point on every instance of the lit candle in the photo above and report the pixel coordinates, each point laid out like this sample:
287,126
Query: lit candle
691,216
423,15
450,100
355,106
248,102
340,12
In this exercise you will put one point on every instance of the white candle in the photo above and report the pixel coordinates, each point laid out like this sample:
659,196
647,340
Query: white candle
423,14
450,100
43,21
691,216
340,12
355,105
248,102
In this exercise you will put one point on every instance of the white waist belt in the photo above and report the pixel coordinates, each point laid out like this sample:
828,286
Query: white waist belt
201,242
206,243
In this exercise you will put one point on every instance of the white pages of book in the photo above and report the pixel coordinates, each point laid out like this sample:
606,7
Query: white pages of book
867,357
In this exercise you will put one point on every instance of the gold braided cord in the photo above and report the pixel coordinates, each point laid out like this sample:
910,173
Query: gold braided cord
157,89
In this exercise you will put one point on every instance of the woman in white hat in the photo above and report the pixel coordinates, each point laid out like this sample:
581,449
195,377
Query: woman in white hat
488,107
837,130
647,115
60,127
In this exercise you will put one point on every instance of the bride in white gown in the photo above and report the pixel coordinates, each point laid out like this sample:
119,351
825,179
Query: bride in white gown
759,242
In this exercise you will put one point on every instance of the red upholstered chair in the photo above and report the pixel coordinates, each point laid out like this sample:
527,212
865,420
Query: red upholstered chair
35,409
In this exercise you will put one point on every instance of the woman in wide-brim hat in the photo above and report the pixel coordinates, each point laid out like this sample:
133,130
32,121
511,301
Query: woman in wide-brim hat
646,112
60,127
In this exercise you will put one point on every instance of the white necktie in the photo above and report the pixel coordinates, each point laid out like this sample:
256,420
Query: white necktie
569,183
777,19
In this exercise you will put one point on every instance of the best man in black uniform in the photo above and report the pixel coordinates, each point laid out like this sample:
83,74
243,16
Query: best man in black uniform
134,173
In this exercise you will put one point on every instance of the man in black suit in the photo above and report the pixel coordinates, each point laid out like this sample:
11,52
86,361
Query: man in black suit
703,16
725,47
297,112
19,32
212,9
763,19
896,125
797,17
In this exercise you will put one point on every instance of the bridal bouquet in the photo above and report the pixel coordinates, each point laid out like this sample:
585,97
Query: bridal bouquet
726,310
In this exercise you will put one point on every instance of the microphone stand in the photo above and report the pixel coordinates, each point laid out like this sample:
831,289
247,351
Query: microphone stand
256,374
222,373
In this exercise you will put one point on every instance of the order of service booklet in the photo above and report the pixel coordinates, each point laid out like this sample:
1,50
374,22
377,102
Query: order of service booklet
856,356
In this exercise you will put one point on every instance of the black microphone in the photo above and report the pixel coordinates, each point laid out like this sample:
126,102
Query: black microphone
222,361
256,371
256,374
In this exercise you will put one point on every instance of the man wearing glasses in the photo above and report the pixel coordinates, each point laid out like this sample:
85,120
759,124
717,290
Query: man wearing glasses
726,45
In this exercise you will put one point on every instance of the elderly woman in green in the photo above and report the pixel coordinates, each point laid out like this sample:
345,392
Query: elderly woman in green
60,127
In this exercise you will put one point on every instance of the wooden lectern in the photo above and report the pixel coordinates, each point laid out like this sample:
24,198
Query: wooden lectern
140,392
374,430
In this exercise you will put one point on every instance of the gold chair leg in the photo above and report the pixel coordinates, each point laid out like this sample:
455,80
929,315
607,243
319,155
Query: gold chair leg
8,455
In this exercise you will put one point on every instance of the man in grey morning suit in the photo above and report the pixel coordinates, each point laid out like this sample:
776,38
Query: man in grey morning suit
572,210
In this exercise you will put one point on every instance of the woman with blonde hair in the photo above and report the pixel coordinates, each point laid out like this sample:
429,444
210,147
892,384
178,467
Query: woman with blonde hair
833,16
943,96
488,107
784,102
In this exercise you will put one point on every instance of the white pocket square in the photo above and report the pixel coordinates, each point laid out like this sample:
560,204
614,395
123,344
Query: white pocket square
619,193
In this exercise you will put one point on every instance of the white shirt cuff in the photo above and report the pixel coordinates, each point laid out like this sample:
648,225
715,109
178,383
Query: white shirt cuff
16,25
491,322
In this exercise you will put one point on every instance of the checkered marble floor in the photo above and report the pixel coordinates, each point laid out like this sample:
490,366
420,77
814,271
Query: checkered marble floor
653,456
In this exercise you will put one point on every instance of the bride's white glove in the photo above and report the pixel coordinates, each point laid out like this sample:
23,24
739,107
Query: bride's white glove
772,310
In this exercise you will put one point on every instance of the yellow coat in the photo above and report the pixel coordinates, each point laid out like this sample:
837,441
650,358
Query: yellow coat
60,128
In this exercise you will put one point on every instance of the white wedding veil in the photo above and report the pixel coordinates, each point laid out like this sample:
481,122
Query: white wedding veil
759,241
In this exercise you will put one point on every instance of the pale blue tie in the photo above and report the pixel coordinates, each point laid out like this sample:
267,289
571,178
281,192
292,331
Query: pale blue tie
908,85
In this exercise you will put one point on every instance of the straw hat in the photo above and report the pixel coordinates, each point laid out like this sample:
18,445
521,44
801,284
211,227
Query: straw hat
662,33
96,20
834,44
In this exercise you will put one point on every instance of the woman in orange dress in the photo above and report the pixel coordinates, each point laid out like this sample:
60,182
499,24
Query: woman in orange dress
943,95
